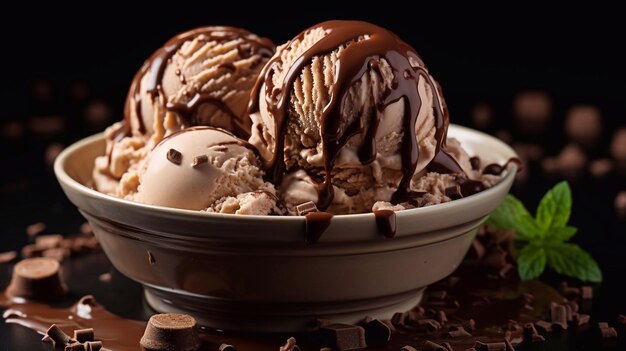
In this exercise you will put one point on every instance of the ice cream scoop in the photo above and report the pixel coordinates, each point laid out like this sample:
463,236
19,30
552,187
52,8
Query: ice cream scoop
200,77
198,166
354,106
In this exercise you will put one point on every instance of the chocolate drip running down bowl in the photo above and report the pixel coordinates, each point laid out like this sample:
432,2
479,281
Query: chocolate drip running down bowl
258,274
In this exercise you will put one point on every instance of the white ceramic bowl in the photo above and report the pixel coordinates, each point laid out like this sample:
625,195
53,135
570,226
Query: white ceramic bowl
257,273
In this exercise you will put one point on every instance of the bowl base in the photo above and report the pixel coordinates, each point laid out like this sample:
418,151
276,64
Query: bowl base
277,318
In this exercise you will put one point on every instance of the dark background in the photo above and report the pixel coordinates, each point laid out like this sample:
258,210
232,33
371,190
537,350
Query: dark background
72,69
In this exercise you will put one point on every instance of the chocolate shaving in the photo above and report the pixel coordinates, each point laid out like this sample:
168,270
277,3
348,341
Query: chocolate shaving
531,335
93,345
305,208
491,346
58,337
407,348
459,332
454,192
621,319
75,347
6,257
84,335
580,319
441,317
174,157
290,345
376,332
198,160
343,336
227,347
608,333
431,346
35,229
603,325
543,326
559,316
586,292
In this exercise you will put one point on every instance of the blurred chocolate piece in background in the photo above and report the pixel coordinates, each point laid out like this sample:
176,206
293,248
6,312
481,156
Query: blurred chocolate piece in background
532,111
583,125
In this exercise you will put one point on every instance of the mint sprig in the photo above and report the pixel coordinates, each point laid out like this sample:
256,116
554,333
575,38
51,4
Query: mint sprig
544,238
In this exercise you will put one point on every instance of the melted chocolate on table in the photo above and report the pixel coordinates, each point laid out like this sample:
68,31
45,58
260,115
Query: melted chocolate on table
155,66
386,222
365,46
491,303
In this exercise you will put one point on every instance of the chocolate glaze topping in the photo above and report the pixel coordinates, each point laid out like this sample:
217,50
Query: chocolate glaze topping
155,66
365,46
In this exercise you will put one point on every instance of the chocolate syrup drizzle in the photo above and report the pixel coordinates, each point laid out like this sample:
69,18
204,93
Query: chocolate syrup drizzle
365,46
155,66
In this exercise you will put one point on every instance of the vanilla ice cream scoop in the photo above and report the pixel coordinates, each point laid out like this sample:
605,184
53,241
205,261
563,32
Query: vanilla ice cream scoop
355,107
198,166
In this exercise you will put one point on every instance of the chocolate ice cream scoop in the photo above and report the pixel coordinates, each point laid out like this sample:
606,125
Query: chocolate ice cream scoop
200,77
353,105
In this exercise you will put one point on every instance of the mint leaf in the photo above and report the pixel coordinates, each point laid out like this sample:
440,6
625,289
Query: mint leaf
561,234
505,216
513,215
555,208
531,261
571,260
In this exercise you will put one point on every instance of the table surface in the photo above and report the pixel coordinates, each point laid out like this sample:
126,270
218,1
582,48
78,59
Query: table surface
124,297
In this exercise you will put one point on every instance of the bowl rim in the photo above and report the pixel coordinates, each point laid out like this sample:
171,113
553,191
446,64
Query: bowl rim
66,180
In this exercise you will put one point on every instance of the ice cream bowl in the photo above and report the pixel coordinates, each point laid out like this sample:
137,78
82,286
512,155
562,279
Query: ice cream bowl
258,274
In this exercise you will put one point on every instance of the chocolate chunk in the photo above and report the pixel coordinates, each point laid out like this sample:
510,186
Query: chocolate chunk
326,349
77,346
512,325
227,347
85,228
49,241
408,348
603,325
441,317
59,253
6,257
35,229
580,319
621,319
490,346
386,222
169,331
459,332
58,337
390,325
376,332
32,250
37,278
105,277
543,326
306,207
174,156
93,345
475,162
586,292
399,318
431,346
509,345
198,160
454,192
506,270
290,345
608,333
83,335
559,316
343,336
